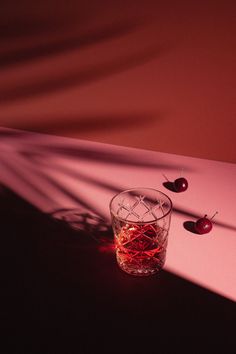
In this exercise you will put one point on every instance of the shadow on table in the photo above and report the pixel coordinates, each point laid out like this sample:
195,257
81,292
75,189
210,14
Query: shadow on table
33,152
39,158
62,292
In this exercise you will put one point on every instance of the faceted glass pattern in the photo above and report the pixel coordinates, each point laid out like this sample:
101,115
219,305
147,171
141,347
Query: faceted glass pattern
140,221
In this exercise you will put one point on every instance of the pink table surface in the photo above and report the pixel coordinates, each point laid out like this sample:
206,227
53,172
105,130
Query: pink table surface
55,173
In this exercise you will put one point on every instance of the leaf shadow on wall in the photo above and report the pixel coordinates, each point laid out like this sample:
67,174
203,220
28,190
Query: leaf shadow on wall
62,43
82,77
85,124
65,43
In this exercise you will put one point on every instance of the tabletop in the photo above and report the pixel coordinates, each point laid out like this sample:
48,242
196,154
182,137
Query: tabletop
61,283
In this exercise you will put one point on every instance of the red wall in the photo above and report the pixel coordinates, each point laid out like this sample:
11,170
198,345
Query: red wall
148,74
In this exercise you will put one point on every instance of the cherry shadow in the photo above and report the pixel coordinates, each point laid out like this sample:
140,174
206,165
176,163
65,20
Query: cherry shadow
170,186
190,226
185,212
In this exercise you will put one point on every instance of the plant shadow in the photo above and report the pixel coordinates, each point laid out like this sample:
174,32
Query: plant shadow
79,78
105,123
67,290
37,159
61,44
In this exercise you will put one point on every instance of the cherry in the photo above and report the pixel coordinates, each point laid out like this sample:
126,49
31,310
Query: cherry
204,225
181,184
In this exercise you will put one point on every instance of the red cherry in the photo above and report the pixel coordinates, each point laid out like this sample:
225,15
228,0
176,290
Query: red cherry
203,225
180,184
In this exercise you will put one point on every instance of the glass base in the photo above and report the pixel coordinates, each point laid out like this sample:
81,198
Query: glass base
139,271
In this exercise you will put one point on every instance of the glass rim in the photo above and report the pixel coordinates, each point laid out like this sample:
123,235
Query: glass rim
141,222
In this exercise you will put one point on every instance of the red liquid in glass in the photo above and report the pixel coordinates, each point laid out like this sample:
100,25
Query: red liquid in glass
141,249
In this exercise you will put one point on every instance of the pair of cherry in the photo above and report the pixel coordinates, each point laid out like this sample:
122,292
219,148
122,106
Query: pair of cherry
202,225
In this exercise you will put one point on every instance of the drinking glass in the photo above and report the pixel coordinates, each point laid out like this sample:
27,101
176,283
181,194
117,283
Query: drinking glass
140,221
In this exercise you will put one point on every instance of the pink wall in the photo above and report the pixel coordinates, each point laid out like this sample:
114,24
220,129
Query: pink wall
154,75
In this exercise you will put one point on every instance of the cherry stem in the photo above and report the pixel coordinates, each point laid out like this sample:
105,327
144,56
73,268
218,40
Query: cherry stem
165,177
214,215
181,172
